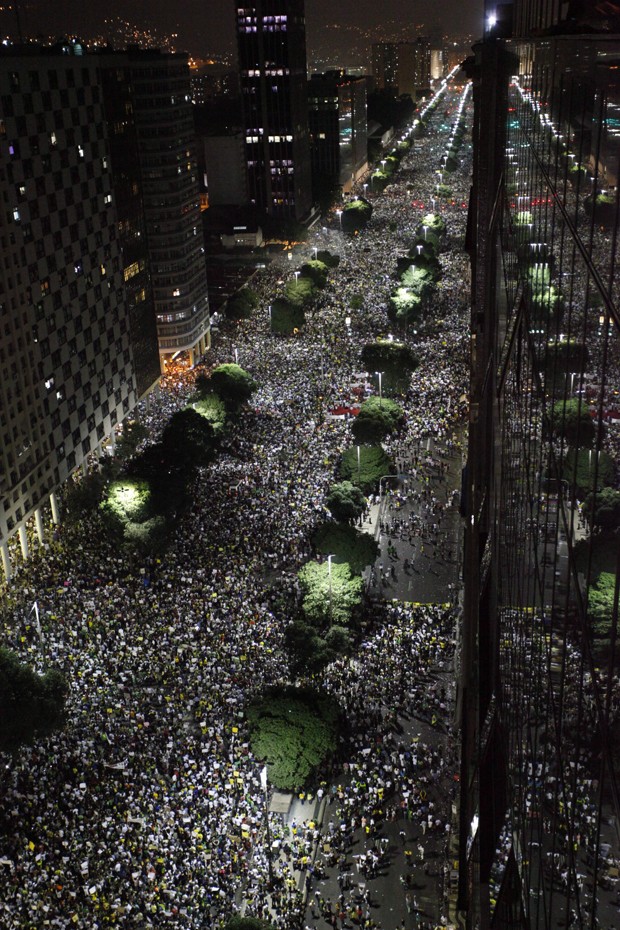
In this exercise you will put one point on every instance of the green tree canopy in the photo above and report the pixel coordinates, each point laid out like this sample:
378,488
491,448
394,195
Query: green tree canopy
31,705
579,469
606,513
188,439
571,420
248,923
405,306
128,500
434,222
374,463
346,544
286,317
566,355
377,418
388,354
545,304
233,385
601,605
428,242
294,731
426,261
132,435
346,502
300,291
328,258
356,215
241,304
379,180
213,409
310,650
417,279
330,595
130,509
371,426
167,478
316,271
538,276
603,206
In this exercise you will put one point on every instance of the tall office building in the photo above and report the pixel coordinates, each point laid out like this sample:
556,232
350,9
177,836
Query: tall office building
130,222
338,123
271,40
103,258
161,109
66,354
403,67
539,687
385,65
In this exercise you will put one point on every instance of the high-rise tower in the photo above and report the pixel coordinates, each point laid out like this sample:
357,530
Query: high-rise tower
67,370
539,686
271,39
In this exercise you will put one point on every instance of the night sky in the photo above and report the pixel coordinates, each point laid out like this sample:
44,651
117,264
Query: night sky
207,25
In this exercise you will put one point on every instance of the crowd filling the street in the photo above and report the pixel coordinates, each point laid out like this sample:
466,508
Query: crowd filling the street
147,808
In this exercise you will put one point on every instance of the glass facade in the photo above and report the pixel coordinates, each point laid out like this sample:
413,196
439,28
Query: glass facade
541,740
271,41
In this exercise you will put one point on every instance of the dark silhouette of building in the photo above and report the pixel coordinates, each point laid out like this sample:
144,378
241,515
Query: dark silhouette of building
403,67
271,40
338,130
103,267
538,696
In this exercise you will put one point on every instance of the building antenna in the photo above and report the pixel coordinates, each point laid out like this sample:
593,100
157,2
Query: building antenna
19,25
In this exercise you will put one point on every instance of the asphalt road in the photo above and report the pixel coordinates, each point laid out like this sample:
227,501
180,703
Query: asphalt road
431,573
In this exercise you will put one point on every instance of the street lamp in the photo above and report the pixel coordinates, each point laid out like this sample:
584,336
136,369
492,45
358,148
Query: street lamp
425,228
359,466
365,188
270,321
263,781
339,215
316,252
329,576
236,356
380,375
296,277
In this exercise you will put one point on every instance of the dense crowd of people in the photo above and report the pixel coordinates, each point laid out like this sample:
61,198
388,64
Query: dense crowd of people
147,808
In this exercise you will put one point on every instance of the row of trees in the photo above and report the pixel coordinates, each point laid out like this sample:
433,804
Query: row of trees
140,505
417,273
287,310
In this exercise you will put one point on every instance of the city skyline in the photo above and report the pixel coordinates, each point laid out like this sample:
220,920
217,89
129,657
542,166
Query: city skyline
200,28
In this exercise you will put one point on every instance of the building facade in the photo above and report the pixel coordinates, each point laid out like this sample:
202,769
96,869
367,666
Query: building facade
161,110
337,117
538,694
403,67
131,222
66,353
271,41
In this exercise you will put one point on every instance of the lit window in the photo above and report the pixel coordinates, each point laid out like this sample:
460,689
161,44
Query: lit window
131,270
